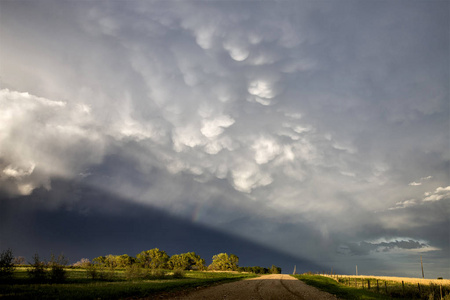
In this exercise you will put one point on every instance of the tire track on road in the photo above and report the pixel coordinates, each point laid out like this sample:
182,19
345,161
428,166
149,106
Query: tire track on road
300,297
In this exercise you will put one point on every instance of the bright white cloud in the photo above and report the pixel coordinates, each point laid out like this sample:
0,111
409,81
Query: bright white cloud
262,89
265,149
41,138
441,193
214,127
414,183
237,53
403,204
247,177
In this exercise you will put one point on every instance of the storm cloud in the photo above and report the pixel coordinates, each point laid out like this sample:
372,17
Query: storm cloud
321,128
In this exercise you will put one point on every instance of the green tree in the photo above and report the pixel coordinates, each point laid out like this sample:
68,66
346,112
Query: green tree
6,263
125,260
111,261
195,261
275,270
153,258
186,261
100,261
178,261
224,262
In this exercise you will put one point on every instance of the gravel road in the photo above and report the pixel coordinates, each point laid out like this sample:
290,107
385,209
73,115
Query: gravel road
275,286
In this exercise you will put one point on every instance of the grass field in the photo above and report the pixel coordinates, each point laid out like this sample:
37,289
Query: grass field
365,287
79,286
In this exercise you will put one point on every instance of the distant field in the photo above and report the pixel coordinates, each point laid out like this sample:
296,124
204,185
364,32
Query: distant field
114,285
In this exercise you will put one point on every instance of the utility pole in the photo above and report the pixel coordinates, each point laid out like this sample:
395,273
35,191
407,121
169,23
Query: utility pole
421,264
356,270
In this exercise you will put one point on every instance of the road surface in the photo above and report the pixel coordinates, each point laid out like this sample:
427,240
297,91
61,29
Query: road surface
274,286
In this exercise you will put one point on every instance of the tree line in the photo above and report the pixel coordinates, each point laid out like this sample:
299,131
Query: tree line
153,259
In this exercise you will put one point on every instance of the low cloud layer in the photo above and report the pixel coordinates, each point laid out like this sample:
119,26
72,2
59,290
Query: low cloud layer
319,123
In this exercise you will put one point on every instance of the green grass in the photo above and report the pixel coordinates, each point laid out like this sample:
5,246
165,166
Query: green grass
343,292
79,286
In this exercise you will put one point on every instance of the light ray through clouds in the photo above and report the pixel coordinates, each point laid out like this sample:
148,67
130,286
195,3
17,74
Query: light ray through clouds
326,124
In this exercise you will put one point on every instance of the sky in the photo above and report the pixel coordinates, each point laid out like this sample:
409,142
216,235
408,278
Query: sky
307,133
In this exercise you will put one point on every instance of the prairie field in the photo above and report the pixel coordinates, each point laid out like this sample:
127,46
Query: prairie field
409,280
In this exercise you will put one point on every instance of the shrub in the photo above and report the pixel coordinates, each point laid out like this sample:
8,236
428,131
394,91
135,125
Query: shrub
6,264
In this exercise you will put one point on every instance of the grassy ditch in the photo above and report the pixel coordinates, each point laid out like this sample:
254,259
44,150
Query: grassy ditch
341,291
114,285
373,288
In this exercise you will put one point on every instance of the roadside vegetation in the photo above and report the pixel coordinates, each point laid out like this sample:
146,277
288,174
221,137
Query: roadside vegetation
372,288
151,272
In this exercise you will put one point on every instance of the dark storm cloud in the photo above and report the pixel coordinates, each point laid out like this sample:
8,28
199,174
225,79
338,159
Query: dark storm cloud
313,125
83,225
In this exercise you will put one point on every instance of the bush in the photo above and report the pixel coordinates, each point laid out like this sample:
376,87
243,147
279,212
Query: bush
6,264
38,270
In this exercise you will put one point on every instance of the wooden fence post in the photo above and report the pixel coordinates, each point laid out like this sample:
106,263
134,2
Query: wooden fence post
368,284
403,288
420,292
385,287
378,287
440,287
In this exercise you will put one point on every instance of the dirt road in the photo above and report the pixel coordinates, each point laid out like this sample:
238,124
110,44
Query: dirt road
277,286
